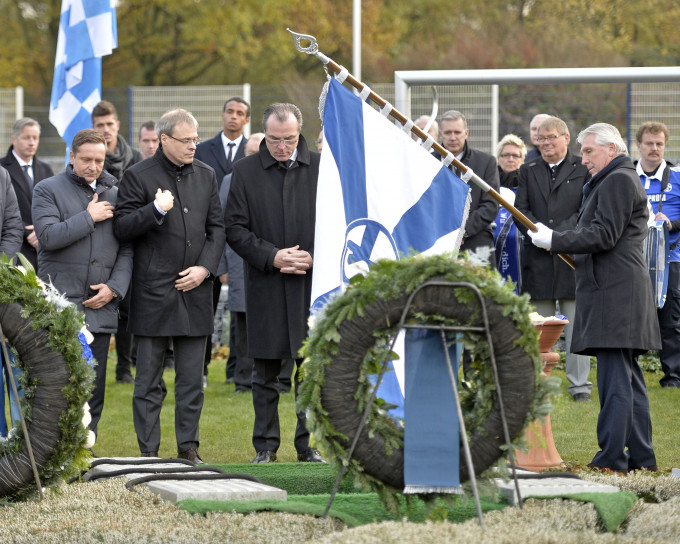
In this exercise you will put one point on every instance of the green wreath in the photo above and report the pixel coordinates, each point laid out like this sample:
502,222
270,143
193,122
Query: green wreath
42,329
348,344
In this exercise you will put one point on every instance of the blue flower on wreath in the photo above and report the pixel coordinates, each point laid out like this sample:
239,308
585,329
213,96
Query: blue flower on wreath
87,351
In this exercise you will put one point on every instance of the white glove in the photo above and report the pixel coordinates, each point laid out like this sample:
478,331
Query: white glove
543,237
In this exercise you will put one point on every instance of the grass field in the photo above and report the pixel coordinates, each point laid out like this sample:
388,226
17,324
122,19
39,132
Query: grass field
227,422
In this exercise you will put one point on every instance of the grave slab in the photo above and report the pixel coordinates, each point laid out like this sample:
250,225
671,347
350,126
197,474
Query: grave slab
177,490
546,487
221,490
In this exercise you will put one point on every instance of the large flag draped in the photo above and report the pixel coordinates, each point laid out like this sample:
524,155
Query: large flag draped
380,196
87,32
383,196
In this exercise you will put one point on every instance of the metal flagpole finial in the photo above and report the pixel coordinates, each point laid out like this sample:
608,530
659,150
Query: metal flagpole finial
311,49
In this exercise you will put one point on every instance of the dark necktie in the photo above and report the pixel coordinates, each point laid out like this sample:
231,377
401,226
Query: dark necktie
230,147
28,177
553,171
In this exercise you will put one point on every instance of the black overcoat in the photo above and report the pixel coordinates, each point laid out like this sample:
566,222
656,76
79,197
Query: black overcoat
483,208
41,170
270,208
191,234
546,276
614,303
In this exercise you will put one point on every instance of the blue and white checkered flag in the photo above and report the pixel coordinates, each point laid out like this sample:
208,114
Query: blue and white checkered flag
87,32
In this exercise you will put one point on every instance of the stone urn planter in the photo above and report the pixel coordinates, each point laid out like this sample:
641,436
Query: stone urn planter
543,454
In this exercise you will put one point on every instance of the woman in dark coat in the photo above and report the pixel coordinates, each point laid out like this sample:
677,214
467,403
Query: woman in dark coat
615,314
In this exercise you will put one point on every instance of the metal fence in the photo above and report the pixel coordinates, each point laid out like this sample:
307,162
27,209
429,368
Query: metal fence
8,114
492,110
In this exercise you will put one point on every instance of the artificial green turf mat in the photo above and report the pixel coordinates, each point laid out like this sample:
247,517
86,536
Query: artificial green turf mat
612,507
352,509
296,478
309,486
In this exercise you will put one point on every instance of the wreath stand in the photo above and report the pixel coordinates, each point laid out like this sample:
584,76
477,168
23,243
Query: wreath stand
485,329
15,392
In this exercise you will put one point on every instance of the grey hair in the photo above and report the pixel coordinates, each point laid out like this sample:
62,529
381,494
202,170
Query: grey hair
453,115
511,139
19,125
172,118
282,110
426,119
605,134
540,116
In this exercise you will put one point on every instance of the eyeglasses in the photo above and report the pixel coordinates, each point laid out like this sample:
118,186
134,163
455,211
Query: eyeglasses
549,138
186,141
277,142
509,156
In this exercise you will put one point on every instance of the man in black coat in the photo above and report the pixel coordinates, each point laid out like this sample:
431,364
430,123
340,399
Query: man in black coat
550,192
169,207
453,132
119,157
270,218
221,152
615,312
26,170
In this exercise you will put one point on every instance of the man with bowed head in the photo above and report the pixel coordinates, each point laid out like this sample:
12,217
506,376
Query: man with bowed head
615,315
78,251
169,207
270,219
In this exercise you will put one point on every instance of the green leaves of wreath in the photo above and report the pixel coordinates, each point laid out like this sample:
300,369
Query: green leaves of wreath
56,381
349,343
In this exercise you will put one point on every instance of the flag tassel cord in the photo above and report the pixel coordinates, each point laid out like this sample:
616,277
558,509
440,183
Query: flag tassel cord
365,92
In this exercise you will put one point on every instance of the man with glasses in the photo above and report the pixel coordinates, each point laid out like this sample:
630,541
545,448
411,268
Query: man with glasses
550,192
270,219
169,207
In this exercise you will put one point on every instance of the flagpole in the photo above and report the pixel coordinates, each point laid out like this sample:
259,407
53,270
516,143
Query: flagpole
467,173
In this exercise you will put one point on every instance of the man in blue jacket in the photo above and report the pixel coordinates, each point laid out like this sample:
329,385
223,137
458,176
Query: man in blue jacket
661,181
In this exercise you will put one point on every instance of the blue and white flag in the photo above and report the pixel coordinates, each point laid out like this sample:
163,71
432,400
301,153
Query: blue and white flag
87,32
383,196
380,196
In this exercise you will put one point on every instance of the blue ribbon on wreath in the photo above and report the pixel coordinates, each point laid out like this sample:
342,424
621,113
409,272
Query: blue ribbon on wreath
87,351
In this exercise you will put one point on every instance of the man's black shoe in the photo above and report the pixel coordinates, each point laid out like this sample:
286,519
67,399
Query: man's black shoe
650,468
191,455
265,456
311,456
126,378
581,397
670,385
149,454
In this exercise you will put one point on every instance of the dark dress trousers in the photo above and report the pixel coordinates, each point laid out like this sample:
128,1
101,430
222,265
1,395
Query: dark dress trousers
24,192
